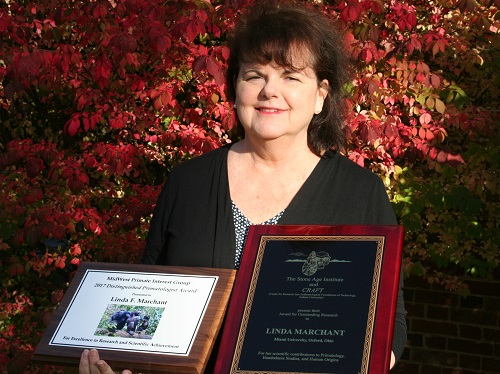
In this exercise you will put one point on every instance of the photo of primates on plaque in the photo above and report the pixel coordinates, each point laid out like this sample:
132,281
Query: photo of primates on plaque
126,321
146,318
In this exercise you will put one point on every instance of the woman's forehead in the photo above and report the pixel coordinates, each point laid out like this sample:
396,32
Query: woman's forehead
294,56
302,68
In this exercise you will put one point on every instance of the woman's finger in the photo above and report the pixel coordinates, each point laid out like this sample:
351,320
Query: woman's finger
84,367
90,363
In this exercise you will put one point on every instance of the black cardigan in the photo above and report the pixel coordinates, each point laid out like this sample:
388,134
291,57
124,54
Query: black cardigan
192,224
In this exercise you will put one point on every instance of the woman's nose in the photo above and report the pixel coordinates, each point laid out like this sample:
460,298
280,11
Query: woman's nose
270,88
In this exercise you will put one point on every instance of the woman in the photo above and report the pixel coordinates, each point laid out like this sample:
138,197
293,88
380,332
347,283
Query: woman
286,72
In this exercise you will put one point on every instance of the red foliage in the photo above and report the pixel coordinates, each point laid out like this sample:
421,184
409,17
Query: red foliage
99,99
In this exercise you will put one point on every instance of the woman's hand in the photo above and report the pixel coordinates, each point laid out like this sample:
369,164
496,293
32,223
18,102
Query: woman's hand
393,360
90,363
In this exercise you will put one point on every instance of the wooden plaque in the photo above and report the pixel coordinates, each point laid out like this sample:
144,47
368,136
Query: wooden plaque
151,319
313,299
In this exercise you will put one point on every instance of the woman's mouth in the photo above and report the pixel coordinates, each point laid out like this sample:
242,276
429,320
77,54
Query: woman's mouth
269,110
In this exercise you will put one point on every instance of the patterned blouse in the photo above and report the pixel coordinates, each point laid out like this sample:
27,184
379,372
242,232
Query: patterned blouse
241,226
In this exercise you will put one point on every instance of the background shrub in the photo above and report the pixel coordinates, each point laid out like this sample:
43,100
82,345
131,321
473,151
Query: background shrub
99,99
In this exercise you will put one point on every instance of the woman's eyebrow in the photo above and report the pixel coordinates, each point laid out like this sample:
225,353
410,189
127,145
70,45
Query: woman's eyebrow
250,70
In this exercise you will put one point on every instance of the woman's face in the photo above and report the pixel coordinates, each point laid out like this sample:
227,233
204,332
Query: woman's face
275,102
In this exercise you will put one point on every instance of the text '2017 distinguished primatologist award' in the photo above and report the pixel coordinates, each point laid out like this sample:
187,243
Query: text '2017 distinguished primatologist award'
148,318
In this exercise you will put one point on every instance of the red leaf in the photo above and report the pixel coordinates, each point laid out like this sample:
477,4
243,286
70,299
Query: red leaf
351,12
193,29
372,135
414,43
411,20
372,86
83,178
441,157
75,261
86,123
100,11
439,46
361,160
162,99
161,43
424,119
59,232
225,52
454,160
216,31
435,81
60,262
229,121
34,166
366,55
76,250
377,6
4,24
166,97
199,64
433,153
420,77
215,69
56,296
16,269
103,73
72,126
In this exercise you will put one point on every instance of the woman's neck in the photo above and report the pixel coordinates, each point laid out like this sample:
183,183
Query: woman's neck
263,181
275,153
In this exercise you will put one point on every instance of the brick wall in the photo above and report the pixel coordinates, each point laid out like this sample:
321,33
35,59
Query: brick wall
449,334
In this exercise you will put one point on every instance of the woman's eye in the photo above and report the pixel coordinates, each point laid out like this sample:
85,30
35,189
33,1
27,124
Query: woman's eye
293,79
253,77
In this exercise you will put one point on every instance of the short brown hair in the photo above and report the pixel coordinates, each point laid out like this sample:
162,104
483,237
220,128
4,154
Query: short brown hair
271,31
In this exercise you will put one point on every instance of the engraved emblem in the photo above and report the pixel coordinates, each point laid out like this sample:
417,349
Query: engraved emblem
314,262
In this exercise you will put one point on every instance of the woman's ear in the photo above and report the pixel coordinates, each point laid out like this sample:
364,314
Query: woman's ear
323,89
